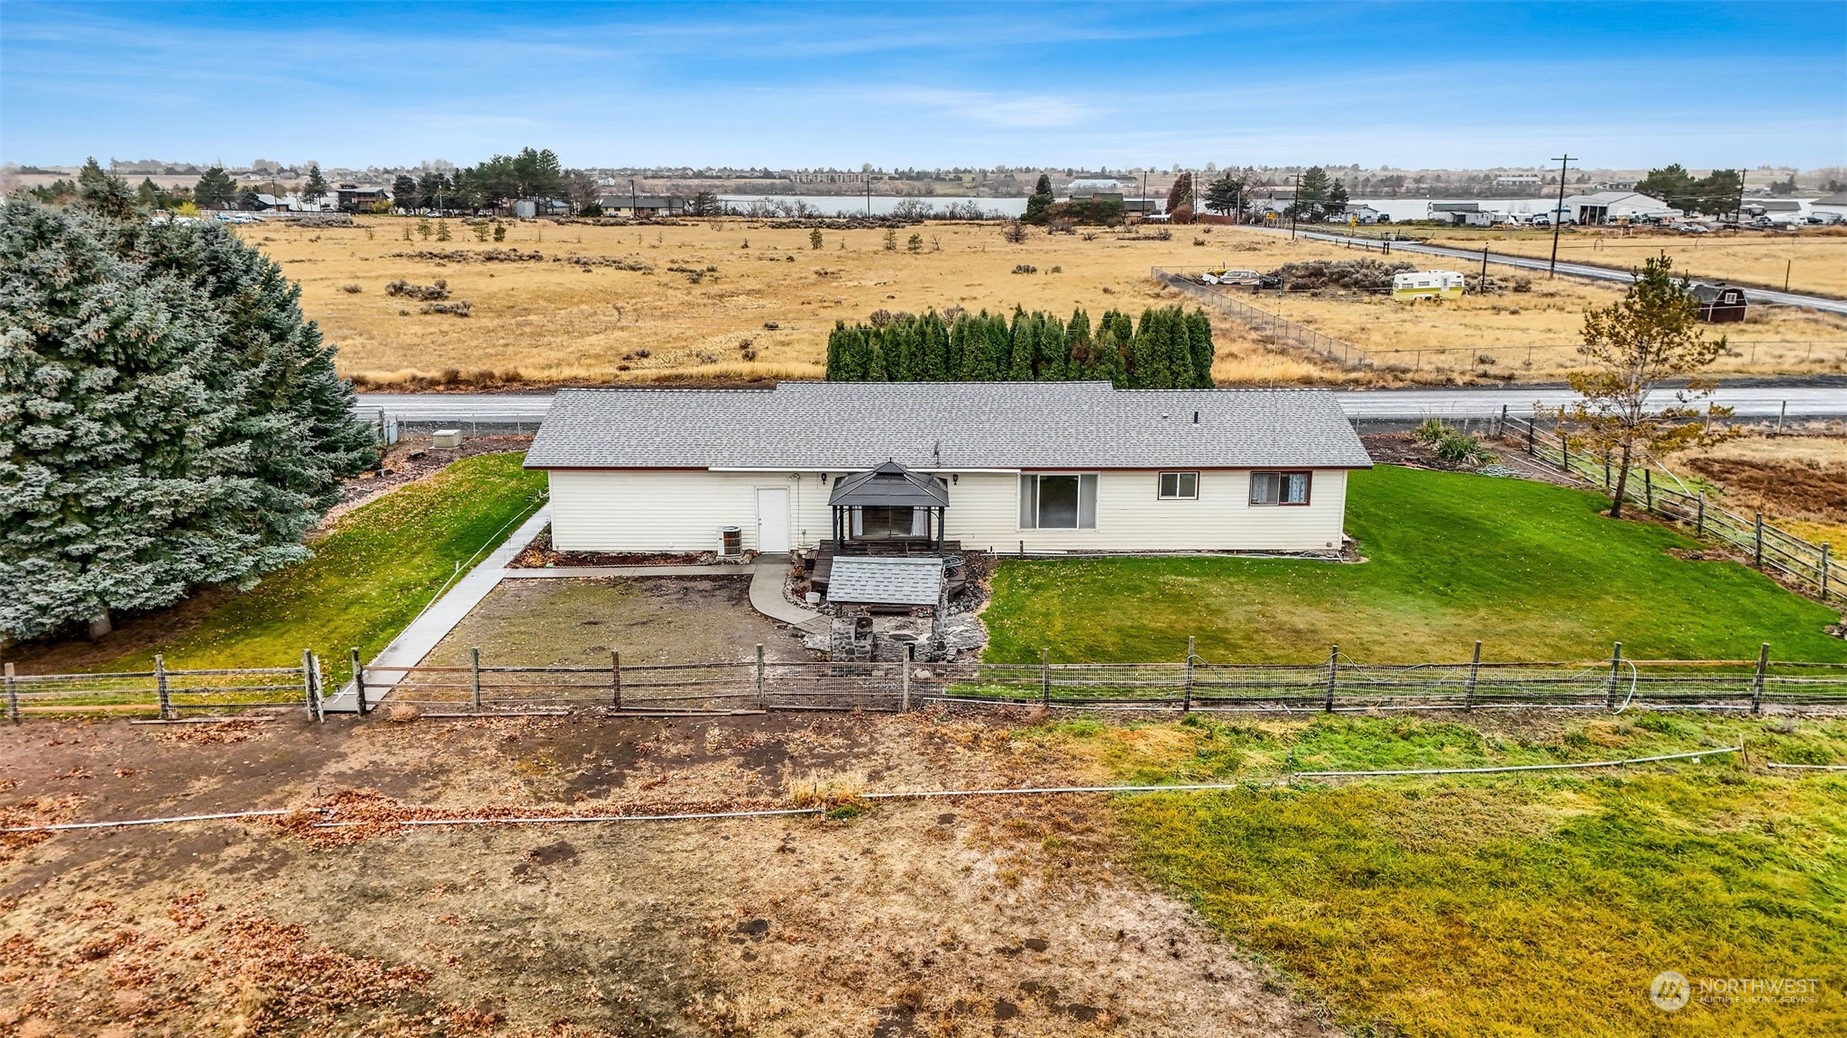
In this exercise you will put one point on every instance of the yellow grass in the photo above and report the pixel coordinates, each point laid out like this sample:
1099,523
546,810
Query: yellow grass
1815,260
553,321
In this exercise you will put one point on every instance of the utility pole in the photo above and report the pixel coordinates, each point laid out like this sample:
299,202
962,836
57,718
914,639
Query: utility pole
1558,213
1295,202
634,200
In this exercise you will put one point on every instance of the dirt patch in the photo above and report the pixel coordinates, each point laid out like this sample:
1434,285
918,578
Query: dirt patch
1798,488
411,459
967,917
581,620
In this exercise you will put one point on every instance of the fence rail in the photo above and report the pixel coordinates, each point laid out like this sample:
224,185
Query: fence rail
1335,684
1810,567
168,693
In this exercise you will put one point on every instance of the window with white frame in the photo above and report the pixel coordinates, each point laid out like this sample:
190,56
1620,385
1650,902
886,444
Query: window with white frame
1058,501
1179,486
1279,488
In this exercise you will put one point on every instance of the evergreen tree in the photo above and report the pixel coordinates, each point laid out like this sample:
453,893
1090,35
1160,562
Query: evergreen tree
103,193
150,196
404,192
316,187
1040,200
1199,341
167,418
1109,349
1020,347
935,345
997,357
1049,349
1080,351
215,189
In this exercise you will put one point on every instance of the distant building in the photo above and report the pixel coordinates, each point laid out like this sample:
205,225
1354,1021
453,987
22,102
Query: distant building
643,205
354,197
1609,207
1718,303
1084,187
1516,180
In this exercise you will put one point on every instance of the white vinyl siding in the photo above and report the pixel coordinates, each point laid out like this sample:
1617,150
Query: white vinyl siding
683,510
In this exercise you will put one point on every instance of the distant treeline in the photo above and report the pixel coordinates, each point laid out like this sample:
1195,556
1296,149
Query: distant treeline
1167,349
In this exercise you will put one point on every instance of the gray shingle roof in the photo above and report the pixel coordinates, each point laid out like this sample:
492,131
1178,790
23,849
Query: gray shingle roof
942,426
885,581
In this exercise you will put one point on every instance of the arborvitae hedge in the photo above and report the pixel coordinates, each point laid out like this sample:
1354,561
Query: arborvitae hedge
1167,348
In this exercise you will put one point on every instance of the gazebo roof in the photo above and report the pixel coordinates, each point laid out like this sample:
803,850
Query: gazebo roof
891,485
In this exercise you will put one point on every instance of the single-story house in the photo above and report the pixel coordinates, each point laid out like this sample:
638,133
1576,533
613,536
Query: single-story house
1034,467
644,205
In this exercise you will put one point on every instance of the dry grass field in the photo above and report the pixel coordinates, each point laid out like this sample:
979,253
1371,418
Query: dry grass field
1815,259
1798,482
737,300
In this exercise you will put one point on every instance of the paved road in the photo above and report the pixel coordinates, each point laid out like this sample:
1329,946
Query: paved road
1584,270
1747,401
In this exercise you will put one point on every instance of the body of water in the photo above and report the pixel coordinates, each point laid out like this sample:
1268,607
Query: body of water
1399,209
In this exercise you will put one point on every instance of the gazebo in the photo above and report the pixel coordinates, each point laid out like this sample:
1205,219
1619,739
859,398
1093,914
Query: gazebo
889,503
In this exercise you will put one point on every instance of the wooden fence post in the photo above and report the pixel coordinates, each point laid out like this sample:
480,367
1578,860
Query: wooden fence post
1759,551
1648,490
1186,701
1616,662
1333,676
1757,683
1468,697
904,679
12,696
359,681
320,692
1532,448
1564,453
762,698
1503,430
615,678
1699,524
1045,677
160,687
474,677
1824,570
307,683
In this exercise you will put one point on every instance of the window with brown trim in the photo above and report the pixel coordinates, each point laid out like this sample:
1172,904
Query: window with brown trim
1179,486
1280,488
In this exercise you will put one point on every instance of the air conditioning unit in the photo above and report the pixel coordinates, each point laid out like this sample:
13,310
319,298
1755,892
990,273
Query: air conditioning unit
446,438
730,542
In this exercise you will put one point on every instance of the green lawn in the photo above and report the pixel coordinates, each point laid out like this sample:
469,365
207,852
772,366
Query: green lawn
1506,905
1533,570
370,575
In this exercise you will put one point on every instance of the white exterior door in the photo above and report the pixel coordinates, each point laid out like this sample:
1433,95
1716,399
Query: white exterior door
772,519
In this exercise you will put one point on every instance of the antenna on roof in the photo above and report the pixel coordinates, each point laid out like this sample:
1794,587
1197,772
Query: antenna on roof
936,450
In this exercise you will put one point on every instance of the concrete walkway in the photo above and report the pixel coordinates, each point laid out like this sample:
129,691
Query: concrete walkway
424,633
415,642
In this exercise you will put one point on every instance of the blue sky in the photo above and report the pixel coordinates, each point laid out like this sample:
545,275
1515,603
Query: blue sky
934,84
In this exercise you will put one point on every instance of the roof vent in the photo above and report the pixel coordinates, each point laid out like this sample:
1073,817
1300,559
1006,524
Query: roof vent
1195,417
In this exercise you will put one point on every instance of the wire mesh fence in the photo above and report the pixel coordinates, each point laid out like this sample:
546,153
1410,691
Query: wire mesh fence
165,692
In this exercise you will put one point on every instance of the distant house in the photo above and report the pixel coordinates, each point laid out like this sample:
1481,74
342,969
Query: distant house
1718,303
1428,284
355,197
1359,212
1832,208
999,466
644,205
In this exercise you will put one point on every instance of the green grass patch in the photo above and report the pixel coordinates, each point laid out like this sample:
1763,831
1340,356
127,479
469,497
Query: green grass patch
1505,905
1535,571
371,573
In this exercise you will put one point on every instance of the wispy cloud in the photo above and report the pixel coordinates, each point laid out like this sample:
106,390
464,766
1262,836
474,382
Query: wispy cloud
944,84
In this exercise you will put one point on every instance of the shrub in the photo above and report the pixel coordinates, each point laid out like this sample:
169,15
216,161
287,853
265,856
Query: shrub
1025,268
1451,445
351,290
